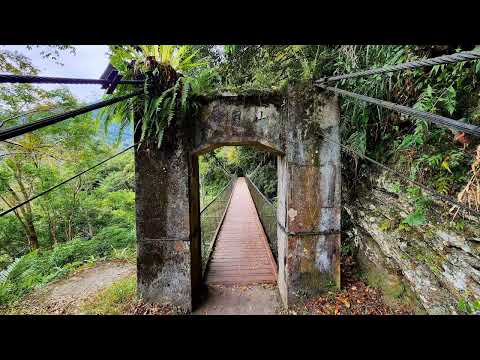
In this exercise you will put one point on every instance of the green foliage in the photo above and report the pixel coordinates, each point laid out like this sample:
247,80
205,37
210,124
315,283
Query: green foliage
114,299
424,152
240,160
271,66
259,164
469,307
159,111
416,218
12,240
87,219
416,139
411,145
128,253
40,267
385,225
5,260
396,187
346,248
358,141
459,225
52,52
93,217
178,71
266,180
213,175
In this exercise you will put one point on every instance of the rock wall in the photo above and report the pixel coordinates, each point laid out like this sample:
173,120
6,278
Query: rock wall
431,266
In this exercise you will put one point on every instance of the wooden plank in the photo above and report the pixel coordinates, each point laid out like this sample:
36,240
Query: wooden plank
241,254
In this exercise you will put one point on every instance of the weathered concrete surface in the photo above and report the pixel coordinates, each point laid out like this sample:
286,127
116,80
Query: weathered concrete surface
232,120
282,237
435,261
163,217
312,190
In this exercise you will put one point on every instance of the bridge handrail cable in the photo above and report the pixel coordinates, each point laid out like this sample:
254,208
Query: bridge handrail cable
440,60
211,219
255,170
267,213
50,120
433,118
33,79
436,119
258,190
64,182
446,198
232,179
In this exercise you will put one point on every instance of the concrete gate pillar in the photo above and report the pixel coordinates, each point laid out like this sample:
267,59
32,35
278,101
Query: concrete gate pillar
308,213
309,206
162,178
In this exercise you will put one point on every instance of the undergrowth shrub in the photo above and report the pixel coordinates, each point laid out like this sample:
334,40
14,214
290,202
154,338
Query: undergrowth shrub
42,266
114,299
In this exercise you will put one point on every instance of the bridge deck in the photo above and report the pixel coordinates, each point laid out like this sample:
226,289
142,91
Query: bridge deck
241,254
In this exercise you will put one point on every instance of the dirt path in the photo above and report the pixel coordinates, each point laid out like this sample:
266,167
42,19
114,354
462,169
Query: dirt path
262,299
65,296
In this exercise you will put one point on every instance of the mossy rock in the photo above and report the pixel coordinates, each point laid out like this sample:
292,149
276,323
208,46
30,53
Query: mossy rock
395,292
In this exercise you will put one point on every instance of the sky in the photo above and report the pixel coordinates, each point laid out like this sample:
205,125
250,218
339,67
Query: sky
89,62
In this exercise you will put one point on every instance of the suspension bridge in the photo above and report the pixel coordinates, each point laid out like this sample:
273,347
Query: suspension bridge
241,237
241,254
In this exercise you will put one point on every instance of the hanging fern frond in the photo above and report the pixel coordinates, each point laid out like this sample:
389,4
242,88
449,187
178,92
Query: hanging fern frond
185,92
171,106
177,69
358,141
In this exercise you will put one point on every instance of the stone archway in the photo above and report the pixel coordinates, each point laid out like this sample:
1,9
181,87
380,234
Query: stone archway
308,213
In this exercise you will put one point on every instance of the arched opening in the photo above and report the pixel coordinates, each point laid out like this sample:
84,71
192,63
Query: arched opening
237,198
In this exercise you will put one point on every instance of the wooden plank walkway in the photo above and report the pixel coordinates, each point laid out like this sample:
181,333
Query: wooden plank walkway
241,254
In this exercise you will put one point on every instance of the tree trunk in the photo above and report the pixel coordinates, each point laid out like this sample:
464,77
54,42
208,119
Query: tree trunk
27,210
31,232
25,217
53,231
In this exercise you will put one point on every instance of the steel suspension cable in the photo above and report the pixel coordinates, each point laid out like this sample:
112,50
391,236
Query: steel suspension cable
23,129
445,59
433,118
64,182
31,79
28,112
255,170
264,197
220,165
446,198
218,195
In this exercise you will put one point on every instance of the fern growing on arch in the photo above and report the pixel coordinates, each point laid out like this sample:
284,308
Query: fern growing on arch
173,76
